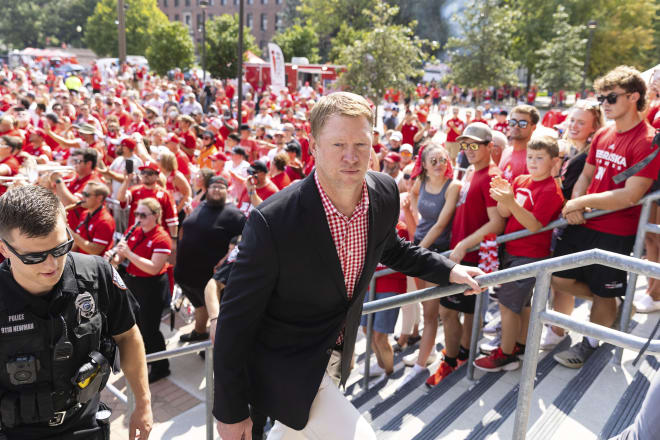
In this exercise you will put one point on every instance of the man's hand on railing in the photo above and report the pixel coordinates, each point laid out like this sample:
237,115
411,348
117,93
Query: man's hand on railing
464,275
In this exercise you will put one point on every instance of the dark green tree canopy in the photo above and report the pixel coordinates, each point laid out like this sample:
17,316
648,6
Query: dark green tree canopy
299,41
222,43
171,47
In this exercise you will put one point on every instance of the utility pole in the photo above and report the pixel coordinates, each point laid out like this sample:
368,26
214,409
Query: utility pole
203,4
121,19
239,116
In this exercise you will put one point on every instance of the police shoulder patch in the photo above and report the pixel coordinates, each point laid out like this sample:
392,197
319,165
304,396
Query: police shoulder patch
117,281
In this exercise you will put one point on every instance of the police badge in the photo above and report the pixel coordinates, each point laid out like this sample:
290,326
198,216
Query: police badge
85,305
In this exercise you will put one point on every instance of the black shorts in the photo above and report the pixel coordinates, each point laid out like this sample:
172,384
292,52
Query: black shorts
194,294
515,295
603,281
460,302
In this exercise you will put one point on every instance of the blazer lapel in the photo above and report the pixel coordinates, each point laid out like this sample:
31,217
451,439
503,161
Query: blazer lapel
316,224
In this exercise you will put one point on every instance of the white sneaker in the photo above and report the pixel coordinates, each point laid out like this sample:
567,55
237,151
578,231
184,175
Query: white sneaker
410,376
493,327
374,370
490,345
411,359
646,304
550,339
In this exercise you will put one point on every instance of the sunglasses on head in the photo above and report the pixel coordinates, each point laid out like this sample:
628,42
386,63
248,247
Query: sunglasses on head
611,98
143,214
520,123
469,145
40,257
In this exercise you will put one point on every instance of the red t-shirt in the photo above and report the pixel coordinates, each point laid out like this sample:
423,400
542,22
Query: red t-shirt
250,147
99,229
483,121
13,165
156,241
513,163
189,141
281,181
408,131
266,191
169,214
544,200
451,134
183,163
502,127
395,282
611,153
471,213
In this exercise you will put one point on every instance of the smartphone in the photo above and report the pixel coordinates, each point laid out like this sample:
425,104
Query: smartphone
129,166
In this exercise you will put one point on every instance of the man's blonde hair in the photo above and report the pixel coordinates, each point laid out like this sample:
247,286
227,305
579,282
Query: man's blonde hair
339,103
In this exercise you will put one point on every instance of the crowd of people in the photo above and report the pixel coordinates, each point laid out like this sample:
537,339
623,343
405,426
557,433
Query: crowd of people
159,175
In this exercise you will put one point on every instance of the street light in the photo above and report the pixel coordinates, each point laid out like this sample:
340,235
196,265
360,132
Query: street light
203,4
592,27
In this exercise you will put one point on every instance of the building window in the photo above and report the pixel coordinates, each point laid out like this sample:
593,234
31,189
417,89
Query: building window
176,17
235,2
264,2
250,2
223,2
278,2
248,22
262,45
187,2
176,3
164,3
264,22
279,22
187,20
210,16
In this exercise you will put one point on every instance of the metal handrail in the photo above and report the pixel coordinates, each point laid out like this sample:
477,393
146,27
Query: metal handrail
207,348
482,301
542,270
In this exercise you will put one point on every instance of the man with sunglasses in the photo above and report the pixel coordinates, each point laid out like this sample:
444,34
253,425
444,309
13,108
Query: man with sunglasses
95,232
611,180
522,124
60,317
150,188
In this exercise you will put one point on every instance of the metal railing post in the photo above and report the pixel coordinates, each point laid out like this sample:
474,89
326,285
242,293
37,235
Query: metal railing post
480,306
208,369
638,248
370,331
130,401
526,388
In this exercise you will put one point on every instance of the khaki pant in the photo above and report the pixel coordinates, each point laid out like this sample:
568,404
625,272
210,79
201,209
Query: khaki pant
332,416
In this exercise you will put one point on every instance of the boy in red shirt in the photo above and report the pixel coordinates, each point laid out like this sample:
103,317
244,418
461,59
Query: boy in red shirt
455,127
531,202
614,149
476,216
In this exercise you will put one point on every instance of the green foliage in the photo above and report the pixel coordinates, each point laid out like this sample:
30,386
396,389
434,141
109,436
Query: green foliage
142,16
62,18
22,23
561,59
388,55
299,41
479,57
222,43
346,36
171,47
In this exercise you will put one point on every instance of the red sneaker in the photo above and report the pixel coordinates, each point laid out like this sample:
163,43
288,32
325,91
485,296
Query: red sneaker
459,362
498,361
443,371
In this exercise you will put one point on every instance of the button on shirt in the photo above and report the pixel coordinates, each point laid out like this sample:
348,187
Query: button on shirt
350,237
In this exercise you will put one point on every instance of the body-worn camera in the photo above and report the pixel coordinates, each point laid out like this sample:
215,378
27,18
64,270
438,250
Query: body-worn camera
23,370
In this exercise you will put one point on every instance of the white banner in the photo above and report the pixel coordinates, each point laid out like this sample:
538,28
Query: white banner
277,78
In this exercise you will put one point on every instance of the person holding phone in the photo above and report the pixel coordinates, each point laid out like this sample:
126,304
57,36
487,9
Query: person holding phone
258,187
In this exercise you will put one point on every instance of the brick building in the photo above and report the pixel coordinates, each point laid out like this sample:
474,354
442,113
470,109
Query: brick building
261,16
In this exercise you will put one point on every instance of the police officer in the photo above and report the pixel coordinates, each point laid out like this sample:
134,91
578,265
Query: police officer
61,315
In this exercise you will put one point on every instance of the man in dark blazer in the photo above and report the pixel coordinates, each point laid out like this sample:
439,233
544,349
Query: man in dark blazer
291,309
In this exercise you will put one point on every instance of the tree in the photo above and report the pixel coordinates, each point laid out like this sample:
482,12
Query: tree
561,59
299,41
21,23
479,57
171,47
63,18
345,37
142,16
222,43
388,55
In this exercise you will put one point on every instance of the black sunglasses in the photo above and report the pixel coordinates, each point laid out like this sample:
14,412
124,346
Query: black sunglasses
142,214
40,257
148,173
611,98
520,123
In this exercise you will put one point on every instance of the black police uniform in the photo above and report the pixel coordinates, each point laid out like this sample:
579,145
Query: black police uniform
56,350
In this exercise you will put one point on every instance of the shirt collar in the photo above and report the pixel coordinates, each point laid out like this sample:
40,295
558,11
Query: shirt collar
361,208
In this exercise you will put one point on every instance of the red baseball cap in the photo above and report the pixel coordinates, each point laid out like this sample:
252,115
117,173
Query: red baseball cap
150,165
173,138
393,157
129,143
219,156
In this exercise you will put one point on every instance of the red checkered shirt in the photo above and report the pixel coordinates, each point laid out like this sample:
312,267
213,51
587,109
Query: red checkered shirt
350,237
